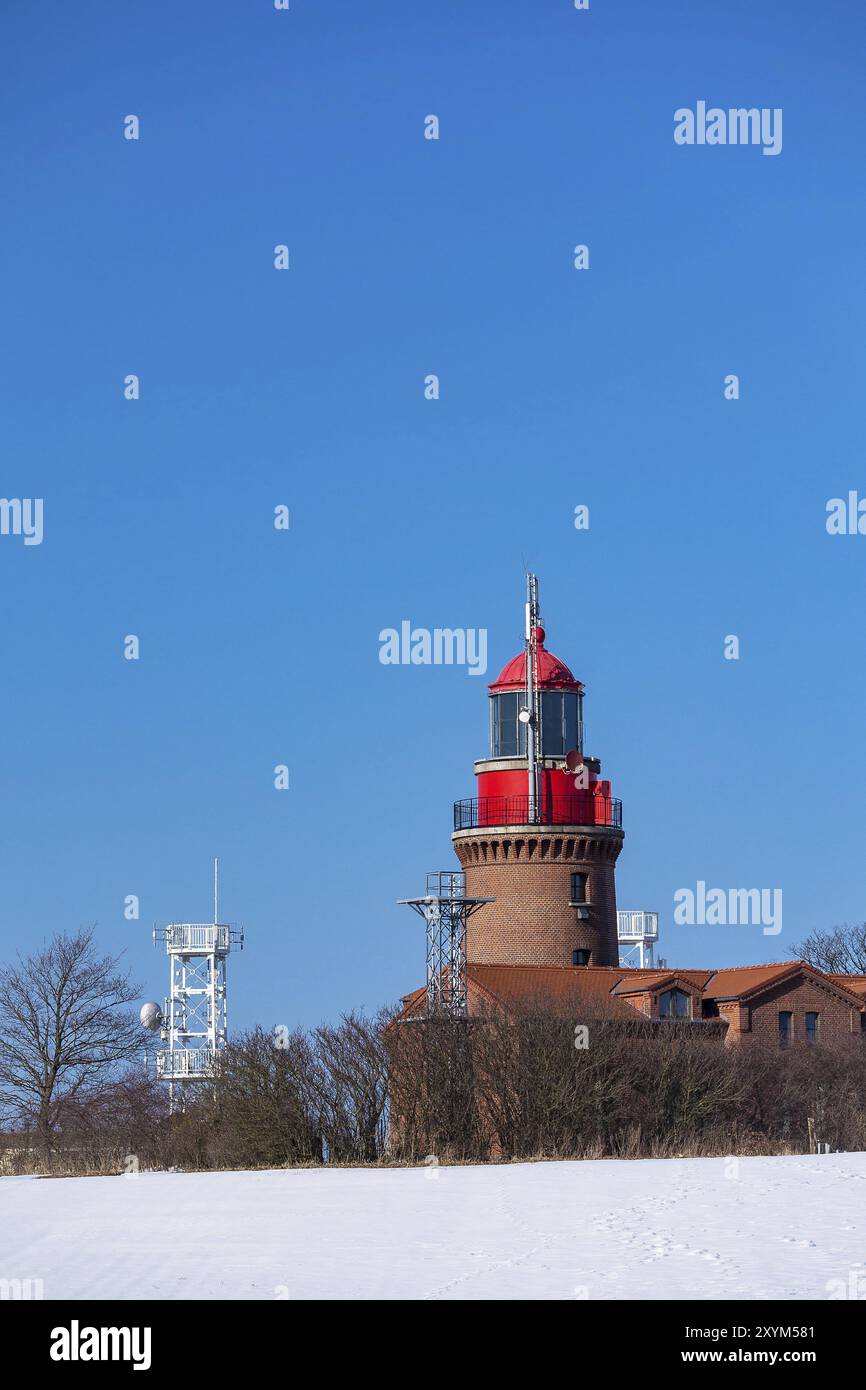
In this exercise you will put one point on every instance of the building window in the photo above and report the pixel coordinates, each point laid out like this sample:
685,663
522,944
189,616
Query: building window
580,957
675,1003
786,1027
811,1028
578,887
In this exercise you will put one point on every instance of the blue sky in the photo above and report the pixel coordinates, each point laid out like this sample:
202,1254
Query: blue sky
305,387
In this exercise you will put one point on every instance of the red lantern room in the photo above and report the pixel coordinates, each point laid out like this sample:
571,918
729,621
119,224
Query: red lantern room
545,711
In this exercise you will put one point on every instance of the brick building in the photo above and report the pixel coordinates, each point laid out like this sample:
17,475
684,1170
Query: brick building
539,844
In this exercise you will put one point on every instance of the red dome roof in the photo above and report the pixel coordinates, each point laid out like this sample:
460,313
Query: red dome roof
553,674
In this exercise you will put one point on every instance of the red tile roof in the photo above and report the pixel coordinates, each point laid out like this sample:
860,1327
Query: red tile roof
581,989
635,981
596,991
855,983
737,980
742,981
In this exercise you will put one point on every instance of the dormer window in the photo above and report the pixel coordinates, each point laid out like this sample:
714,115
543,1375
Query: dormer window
675,1003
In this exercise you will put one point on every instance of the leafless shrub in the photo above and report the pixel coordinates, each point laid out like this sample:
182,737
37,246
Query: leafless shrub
434,1100
513,1085
262,1105
501,1086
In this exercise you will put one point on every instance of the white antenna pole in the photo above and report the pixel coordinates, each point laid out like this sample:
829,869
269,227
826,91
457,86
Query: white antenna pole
215,891
533,702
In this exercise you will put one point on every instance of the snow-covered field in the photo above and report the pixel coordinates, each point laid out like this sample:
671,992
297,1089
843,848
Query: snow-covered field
691,1228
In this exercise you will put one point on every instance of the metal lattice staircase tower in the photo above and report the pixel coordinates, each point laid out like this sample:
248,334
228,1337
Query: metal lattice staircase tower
446,910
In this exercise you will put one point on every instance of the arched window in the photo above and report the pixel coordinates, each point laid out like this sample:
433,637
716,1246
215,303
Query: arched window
675,1003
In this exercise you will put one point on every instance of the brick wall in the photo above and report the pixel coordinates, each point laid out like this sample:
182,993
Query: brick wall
528,872
759,1019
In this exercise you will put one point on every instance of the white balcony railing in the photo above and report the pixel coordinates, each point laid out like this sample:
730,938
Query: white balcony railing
195,936
637,926
183,1062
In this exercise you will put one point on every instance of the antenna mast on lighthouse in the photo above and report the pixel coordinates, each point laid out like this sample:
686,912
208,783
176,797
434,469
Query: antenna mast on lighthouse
530,715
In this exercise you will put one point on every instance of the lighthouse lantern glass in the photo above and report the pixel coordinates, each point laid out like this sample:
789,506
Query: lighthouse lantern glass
561,723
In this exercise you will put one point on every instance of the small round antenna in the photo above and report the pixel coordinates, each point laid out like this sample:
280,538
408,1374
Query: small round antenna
151,1017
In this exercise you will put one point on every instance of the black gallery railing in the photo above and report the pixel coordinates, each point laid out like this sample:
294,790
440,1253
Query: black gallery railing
577,808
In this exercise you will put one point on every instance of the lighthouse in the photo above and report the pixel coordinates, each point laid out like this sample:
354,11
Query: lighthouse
529,921
542,835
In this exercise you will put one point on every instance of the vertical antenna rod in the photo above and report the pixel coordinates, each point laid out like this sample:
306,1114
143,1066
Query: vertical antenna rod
533,697
215,891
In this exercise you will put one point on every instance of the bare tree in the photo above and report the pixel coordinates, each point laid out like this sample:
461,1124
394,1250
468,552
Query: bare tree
839,951
64,1028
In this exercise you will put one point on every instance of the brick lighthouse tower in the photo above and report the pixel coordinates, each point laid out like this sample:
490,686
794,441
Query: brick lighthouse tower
543,833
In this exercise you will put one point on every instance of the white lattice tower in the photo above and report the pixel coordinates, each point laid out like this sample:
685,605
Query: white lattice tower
195,1018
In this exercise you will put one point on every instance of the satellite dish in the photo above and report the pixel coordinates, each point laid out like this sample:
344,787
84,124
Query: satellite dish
524,715
151,1017
573,759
